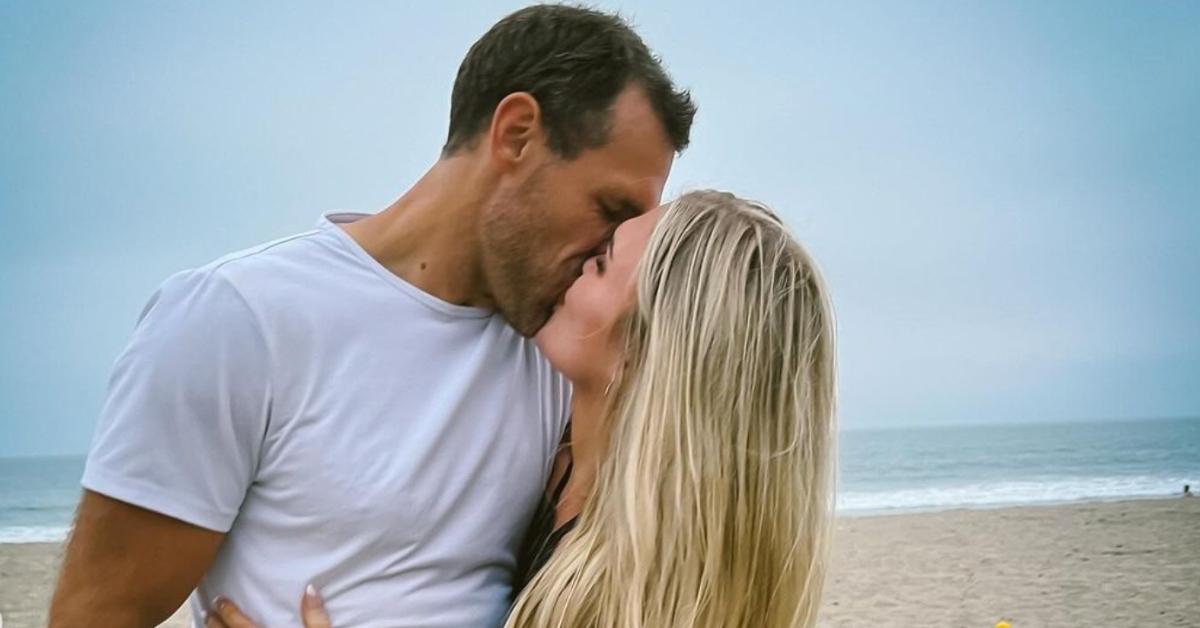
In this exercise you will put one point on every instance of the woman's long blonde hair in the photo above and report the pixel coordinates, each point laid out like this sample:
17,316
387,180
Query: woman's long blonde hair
714,503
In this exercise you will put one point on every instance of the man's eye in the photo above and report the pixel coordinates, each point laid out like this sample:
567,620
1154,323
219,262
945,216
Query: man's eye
609,215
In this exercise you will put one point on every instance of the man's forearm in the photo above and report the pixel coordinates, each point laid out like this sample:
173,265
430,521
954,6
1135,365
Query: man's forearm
84,609
88,596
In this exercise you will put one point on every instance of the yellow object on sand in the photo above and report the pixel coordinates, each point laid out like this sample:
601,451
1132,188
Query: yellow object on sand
1003,624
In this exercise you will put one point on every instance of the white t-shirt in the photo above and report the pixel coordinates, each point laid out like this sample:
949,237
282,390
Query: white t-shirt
344,427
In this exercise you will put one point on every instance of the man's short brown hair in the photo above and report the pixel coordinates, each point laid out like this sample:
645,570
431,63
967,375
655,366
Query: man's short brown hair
574,61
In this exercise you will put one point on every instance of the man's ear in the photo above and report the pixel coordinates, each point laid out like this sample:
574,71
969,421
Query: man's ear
516,129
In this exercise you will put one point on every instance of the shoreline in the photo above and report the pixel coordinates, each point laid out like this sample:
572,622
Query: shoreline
901,511
933,510
1130,562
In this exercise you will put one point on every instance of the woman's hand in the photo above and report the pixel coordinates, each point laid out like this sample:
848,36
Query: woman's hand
226,614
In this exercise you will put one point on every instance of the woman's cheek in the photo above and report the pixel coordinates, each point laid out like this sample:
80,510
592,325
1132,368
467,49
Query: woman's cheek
590,311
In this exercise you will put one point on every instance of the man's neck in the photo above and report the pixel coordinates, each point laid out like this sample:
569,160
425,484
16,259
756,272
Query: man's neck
429,237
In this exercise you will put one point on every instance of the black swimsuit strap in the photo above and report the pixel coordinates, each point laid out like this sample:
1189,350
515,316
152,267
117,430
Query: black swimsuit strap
556,494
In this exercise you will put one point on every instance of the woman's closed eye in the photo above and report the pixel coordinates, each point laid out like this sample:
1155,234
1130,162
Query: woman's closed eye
602,260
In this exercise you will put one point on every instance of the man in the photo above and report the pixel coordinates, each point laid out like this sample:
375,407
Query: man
359,406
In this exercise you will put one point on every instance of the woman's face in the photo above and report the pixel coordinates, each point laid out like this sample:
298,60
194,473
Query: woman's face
580,339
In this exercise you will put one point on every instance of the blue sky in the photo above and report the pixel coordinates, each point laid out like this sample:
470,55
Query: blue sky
1005,196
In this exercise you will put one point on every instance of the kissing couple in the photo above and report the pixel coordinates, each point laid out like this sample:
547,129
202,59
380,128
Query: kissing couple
528,393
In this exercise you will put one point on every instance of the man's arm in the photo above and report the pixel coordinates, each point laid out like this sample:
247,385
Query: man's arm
126,566
175,451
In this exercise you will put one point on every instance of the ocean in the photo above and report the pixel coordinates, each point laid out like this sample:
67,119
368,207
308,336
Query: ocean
983,466
881,471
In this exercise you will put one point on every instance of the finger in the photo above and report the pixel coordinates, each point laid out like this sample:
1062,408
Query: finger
312,609
212,620
228,612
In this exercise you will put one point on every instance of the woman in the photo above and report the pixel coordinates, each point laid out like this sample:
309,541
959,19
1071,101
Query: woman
697,489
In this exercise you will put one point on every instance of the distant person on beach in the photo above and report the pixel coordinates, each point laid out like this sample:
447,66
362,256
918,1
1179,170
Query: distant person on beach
1187,490
362,404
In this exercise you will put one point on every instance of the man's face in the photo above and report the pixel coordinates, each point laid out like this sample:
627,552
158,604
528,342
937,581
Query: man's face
537,233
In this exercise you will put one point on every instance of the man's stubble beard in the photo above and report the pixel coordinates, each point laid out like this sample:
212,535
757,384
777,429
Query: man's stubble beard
517,279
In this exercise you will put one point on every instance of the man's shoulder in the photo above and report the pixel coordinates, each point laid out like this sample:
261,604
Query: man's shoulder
269,258
279,270
252,278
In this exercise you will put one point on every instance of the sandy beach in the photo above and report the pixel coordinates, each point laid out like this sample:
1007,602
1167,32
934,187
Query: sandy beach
1117,564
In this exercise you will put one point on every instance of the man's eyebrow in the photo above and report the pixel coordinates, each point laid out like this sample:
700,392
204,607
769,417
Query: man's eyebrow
619,204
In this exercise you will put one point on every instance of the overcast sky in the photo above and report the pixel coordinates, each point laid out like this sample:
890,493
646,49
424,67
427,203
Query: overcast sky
1004,196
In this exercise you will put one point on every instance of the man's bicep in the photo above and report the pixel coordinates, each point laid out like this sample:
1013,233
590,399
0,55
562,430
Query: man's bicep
182,429
129,565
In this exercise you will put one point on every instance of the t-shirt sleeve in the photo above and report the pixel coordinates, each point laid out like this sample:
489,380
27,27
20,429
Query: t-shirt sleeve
187,409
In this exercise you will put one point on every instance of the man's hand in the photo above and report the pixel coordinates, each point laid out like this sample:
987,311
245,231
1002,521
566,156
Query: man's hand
126,566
